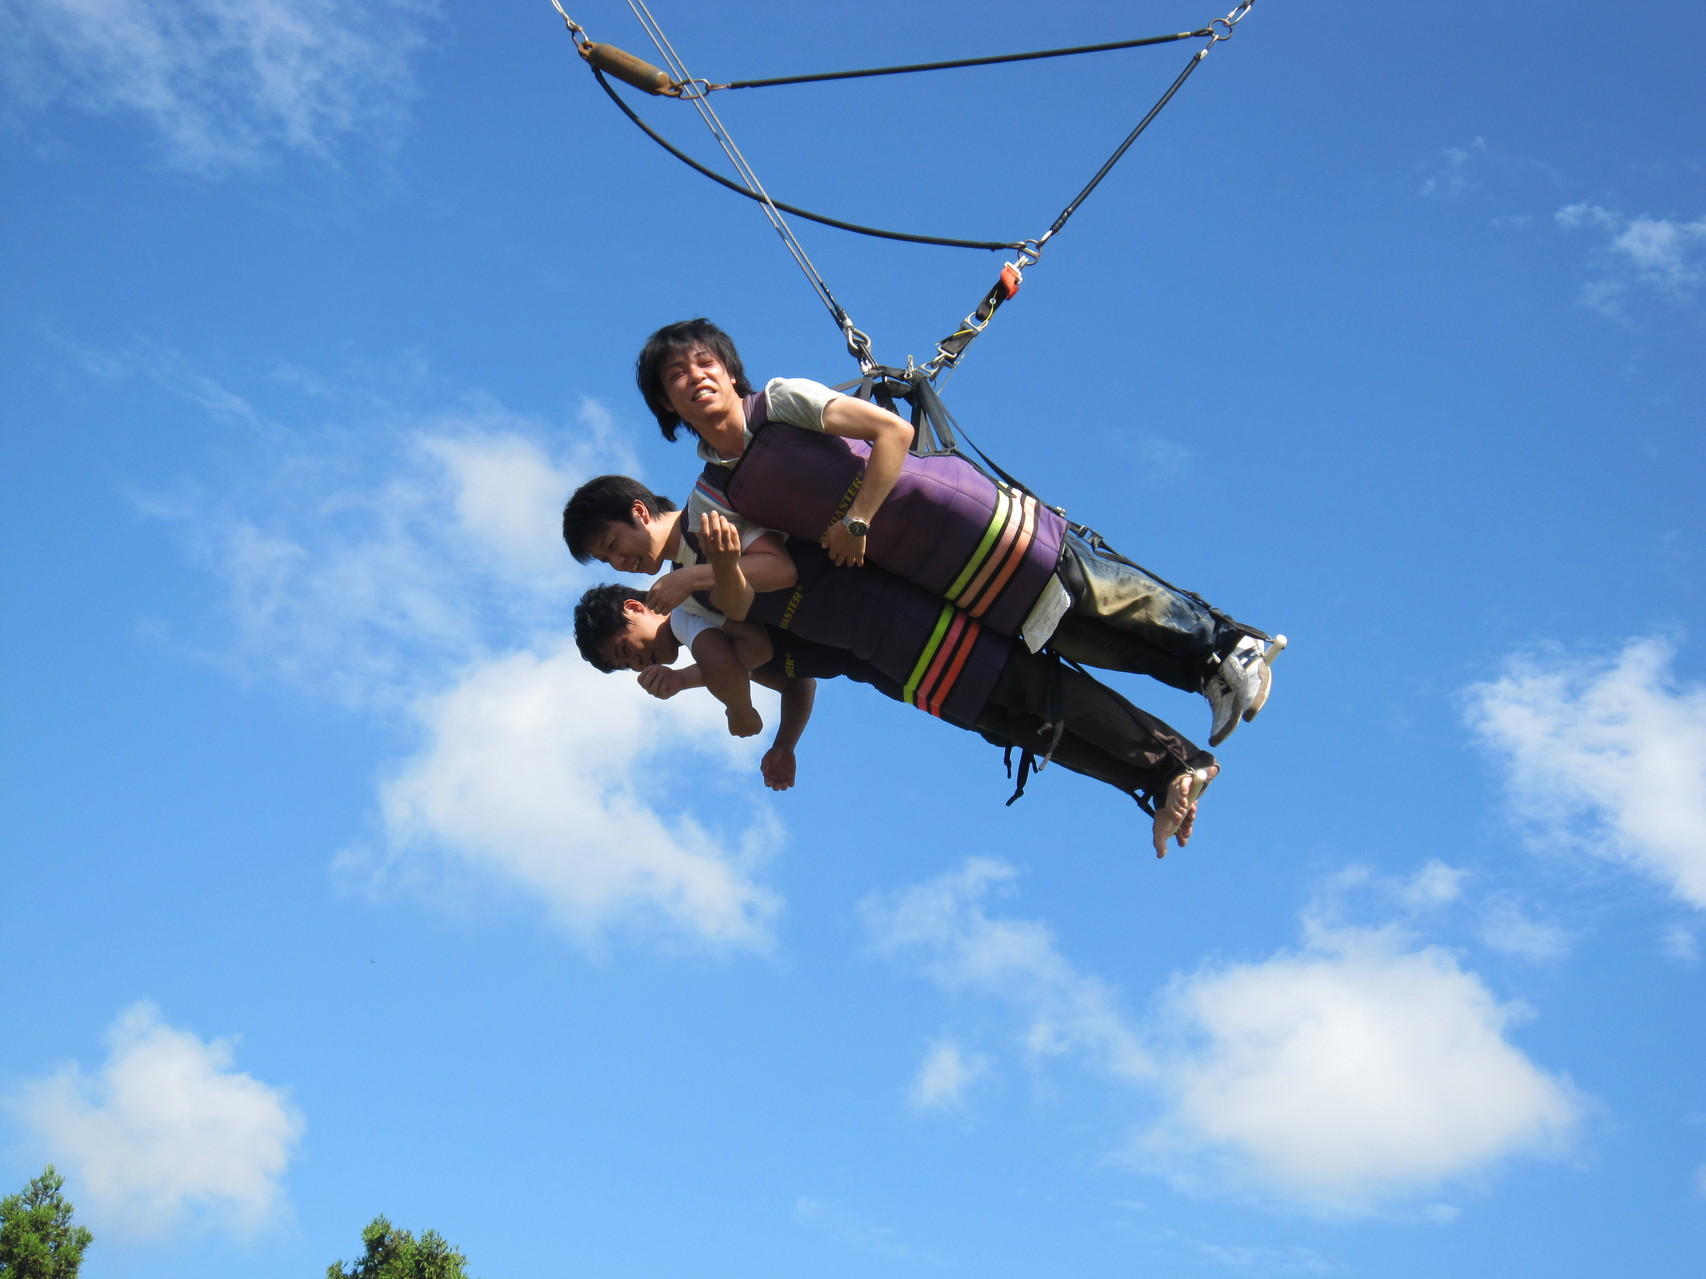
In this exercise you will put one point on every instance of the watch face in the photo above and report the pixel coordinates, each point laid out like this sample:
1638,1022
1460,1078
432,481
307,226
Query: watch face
857,527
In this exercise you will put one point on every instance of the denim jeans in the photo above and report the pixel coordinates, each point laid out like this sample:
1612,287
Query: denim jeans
1124,620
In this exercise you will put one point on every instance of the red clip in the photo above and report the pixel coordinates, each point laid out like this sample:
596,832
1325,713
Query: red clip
1010,279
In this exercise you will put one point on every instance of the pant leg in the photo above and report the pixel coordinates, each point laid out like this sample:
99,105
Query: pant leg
1106,736
1124,620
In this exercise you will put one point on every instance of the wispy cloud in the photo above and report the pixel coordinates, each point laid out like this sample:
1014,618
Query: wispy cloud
407,564
945,1076
166,1132
1604,754
1680,944
1258,1259
1505,926
1661,254
848,1230
943,925
222,84
1482,172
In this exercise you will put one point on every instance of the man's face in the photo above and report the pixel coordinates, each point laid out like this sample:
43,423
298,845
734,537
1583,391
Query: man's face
698,387
645,640
633,546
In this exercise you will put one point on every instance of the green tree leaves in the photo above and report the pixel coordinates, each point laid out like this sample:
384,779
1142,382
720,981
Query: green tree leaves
396,1254
37,1239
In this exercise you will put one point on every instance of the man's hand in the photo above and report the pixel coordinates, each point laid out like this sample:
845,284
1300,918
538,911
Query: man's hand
668,592
719,540
778,768
744,721
662,682
844,548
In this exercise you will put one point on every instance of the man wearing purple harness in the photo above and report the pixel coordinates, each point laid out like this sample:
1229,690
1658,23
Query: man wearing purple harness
1100,734
804,460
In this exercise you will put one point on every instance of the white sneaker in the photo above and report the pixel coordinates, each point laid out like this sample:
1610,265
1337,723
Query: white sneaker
1235,687
1270,650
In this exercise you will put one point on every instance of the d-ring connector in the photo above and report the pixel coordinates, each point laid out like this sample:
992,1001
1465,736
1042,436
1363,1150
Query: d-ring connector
1220,29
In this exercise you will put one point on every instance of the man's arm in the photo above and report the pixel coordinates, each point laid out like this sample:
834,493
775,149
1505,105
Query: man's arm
889,438
798,696
727,681
731,591
664,682
766,565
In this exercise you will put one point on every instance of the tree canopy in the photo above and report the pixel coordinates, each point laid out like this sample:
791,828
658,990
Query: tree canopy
396,1254
37,1239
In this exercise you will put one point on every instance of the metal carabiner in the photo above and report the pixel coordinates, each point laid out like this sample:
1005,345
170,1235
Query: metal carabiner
858,345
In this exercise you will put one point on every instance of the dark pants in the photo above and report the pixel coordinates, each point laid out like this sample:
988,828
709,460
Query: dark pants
1106,737
1124,620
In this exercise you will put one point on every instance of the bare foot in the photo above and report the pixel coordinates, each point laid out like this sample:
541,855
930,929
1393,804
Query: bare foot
1176,813
1198,786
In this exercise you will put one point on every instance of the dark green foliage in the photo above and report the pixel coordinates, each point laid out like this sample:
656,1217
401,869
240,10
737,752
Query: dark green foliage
37,1239
397,1254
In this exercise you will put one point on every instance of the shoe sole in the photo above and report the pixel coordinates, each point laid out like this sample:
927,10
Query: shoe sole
1273,650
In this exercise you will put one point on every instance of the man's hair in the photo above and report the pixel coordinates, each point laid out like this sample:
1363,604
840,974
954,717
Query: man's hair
598,617
678,339
609,499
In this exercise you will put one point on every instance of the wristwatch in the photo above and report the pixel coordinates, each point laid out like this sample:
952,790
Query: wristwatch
858,528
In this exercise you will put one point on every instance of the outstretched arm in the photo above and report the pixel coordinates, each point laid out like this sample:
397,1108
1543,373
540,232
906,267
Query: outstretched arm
798,695
889,437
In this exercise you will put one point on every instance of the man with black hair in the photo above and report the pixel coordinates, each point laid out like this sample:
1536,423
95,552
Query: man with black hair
623,523
810,462
950,666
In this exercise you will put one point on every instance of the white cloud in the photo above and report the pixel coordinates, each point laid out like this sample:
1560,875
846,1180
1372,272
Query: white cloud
222,83
166,1131
409,565
542,774
1359,1074
1662,253
943,923
847,1229
944,1077
1605,755
1347,1077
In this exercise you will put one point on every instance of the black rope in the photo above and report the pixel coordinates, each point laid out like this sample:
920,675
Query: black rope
1131,137
904,236
738,189
962,62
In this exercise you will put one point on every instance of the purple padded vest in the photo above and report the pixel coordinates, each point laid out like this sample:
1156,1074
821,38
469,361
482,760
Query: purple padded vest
944,661
945,526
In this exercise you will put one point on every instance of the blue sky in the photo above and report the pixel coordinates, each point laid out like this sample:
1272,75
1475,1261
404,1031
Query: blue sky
335,883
